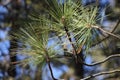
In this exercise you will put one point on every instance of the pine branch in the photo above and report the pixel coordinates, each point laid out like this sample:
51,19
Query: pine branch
107,32
70,40
118,22
48,62
93,64
71,55
103,61
101,73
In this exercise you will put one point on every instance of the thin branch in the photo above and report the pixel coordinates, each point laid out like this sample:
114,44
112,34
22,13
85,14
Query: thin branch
107,32
70,40
16,62
93,64
48,62
80,47
101,73
70,56
50,68
69,37
118,22
103,61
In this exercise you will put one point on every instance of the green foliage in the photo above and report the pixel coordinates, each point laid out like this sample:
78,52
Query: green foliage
34,39
76,18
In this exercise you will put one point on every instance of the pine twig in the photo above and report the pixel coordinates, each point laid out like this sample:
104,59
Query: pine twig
101,73
48,62
118,22
70,40
103,61
93,64
107,32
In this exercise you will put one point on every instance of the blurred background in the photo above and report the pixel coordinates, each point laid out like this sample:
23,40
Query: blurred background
12,12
